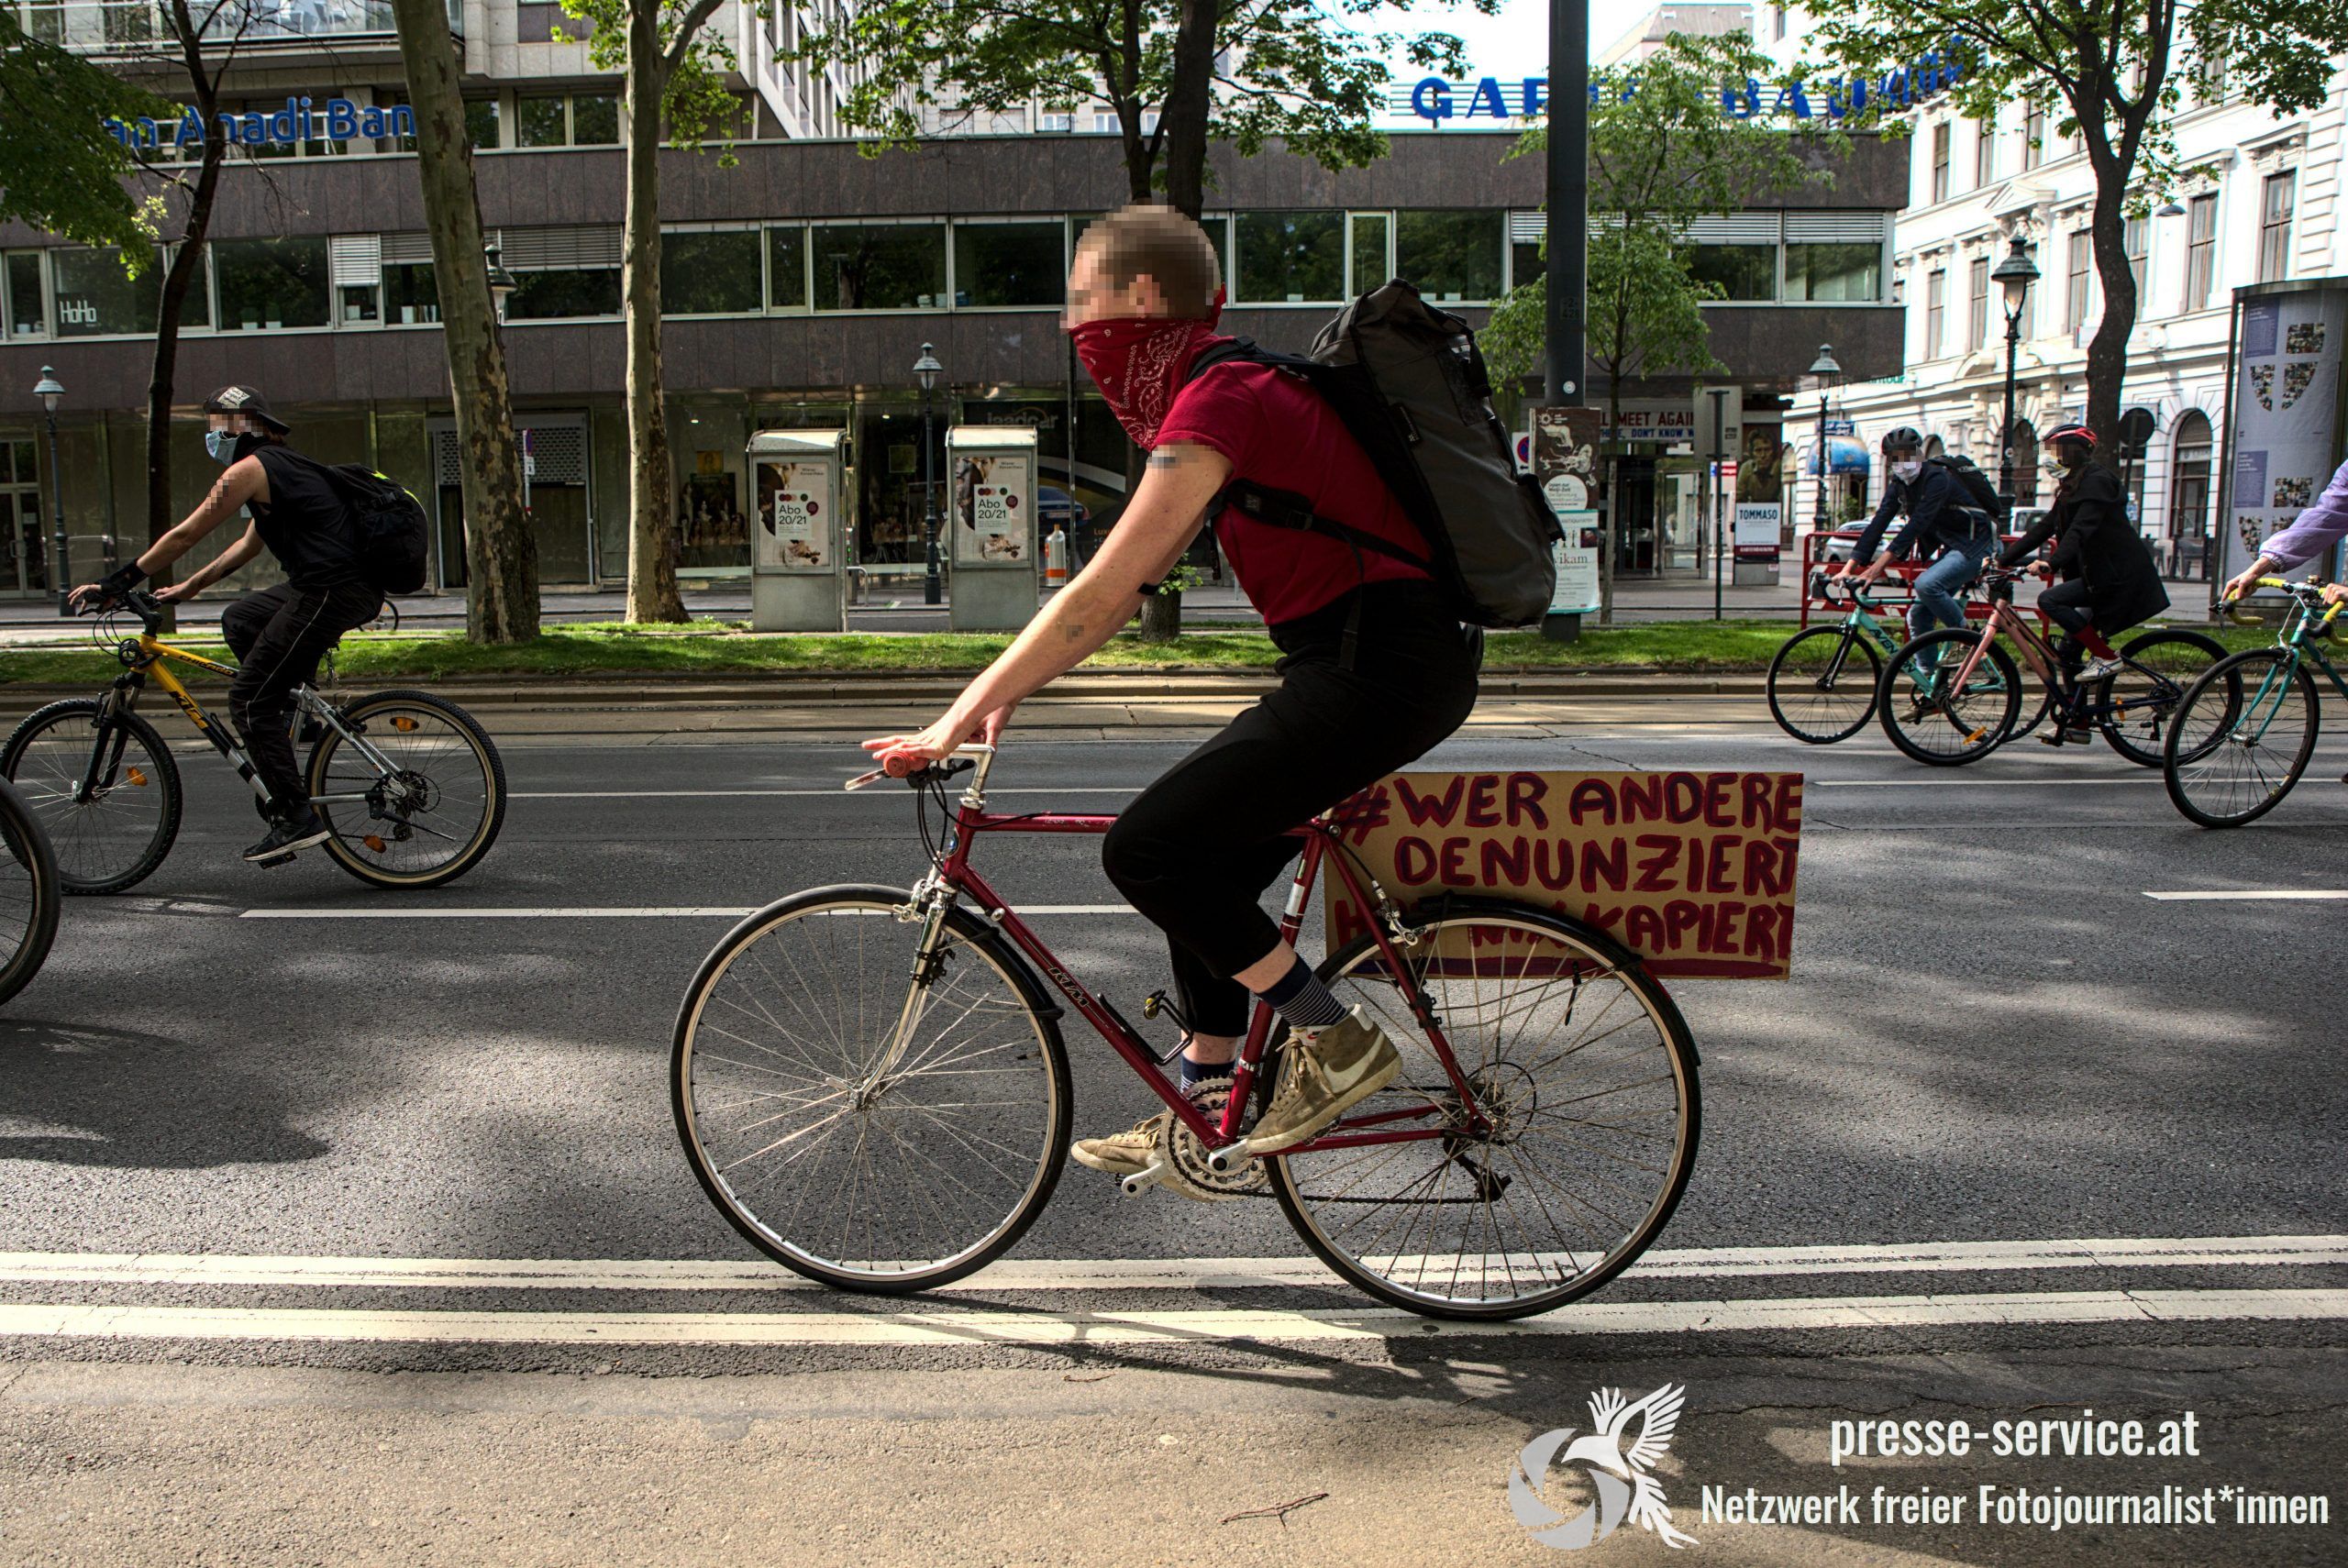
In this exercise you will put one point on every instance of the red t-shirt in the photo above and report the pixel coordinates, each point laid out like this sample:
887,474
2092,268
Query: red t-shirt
1281,433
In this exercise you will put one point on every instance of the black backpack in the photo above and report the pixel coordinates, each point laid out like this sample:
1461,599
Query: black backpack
1974,482
395,536
1409,384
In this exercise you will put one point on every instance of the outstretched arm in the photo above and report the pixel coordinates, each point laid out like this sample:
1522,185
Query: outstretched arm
1158,525
244,480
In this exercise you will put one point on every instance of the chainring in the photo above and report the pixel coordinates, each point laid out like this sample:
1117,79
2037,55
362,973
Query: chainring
1187,1170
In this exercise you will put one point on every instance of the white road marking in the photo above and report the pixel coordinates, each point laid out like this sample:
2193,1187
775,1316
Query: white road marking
1015,1274
939,1328
653,911
1944,782
2253,895
801,794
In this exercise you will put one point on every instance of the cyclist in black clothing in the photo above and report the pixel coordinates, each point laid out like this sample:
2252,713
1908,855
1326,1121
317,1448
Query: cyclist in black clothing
1942,519
278,634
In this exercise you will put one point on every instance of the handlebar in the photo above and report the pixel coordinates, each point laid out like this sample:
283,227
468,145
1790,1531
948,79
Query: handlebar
928,773
149,609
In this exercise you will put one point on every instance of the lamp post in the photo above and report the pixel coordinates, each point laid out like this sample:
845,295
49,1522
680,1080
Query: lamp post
2014,274
502,283
1827,371
933,589
51,393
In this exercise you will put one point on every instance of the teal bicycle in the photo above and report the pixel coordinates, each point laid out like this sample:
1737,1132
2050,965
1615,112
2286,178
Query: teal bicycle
2244,731
1823,680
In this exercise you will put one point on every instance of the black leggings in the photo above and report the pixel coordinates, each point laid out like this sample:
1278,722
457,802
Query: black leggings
279,635
2065,604
1195,851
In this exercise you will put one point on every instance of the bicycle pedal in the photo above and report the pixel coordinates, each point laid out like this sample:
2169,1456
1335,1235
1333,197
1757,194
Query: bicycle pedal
1141,1181
285,859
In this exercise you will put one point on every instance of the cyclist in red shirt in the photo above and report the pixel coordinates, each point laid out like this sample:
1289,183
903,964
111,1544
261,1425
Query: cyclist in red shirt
1376,667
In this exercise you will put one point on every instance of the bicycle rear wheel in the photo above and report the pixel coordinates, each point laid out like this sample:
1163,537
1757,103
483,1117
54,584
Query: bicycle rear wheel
1929,716
1821,684
2138,700
853,1164
2242,736
115,836
1587,1077
431,818
28,894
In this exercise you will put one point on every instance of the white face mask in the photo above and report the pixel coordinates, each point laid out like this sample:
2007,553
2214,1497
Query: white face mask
1906,470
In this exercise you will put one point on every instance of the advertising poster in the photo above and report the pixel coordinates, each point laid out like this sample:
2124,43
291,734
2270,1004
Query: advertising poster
1756,530
1692,871
2286,416
1576,558
795,533
1565,464
995,508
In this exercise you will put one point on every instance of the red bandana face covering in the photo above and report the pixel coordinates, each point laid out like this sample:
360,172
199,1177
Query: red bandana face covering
1140,362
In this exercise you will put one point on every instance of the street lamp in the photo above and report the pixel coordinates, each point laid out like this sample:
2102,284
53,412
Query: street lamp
501,282
51,393
933,590
2014,274
1828,372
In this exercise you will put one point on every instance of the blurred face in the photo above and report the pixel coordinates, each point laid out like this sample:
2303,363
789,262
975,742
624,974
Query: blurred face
233,423
1092,297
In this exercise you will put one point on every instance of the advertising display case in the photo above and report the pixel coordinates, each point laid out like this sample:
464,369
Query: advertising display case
797,546
2285,414
991,528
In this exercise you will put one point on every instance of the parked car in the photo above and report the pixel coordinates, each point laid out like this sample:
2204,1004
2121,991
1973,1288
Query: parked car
1058,509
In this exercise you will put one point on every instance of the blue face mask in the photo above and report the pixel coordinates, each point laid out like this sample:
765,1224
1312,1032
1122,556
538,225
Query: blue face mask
222,445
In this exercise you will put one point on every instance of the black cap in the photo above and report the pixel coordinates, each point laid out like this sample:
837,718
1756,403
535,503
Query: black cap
245,400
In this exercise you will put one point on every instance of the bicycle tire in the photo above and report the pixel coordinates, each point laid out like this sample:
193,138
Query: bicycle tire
1514,1108
2122,731
697,1122
1795,698
2200,752
1990,705
75,834
368,854
28,904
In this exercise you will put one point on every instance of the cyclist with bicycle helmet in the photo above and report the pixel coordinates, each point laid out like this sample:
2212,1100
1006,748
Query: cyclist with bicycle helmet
1377,670
279,633
1942,522
2109,582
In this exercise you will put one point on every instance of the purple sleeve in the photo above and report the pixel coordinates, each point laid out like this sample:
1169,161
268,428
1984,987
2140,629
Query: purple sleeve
2314,531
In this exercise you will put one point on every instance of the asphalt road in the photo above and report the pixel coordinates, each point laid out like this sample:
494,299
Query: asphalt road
1994,1046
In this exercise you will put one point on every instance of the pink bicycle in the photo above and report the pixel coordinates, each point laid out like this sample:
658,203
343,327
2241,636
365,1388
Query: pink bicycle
870,1084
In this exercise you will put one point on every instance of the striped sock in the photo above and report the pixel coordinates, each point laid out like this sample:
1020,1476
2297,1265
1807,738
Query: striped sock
1301,998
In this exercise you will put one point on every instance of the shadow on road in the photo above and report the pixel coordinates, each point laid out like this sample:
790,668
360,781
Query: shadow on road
74,1094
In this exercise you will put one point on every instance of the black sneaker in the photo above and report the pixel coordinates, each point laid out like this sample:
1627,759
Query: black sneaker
288,835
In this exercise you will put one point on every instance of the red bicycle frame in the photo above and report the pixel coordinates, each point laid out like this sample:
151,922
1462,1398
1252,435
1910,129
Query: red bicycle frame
954,872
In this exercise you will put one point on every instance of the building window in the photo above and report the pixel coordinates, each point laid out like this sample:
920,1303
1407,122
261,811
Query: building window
566,119
1940,161
1841,273
27,315
1976,303
1373,257
541,121
1452,257
2033,136
711,272
2133,238
1740,272
410,295
1777,24
96,298
1292,258
2277,199
481,124
267,283
2075,292
1936,311
1984,152
787,268
594,119
1010,263
871,266
561,293
2188,491
2200,251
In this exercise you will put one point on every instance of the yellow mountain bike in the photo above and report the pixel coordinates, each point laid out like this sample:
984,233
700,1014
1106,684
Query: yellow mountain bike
411,784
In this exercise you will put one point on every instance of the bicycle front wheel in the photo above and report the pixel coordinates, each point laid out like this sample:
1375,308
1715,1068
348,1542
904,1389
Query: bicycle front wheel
114,832
1587,1080
2137,702
1821,684
846,1143
2241,738
428,811
1939,720
29,896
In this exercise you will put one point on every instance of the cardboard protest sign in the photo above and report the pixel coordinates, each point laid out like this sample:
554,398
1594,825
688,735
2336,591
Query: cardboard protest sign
1694,872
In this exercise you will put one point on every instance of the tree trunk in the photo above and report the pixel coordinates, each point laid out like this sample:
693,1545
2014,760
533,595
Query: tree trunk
2108,349
162,378
1182,118
501,553
1161,617
652,542
1607,535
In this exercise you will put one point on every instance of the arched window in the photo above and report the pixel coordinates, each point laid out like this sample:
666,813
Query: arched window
2188,497
2025,445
